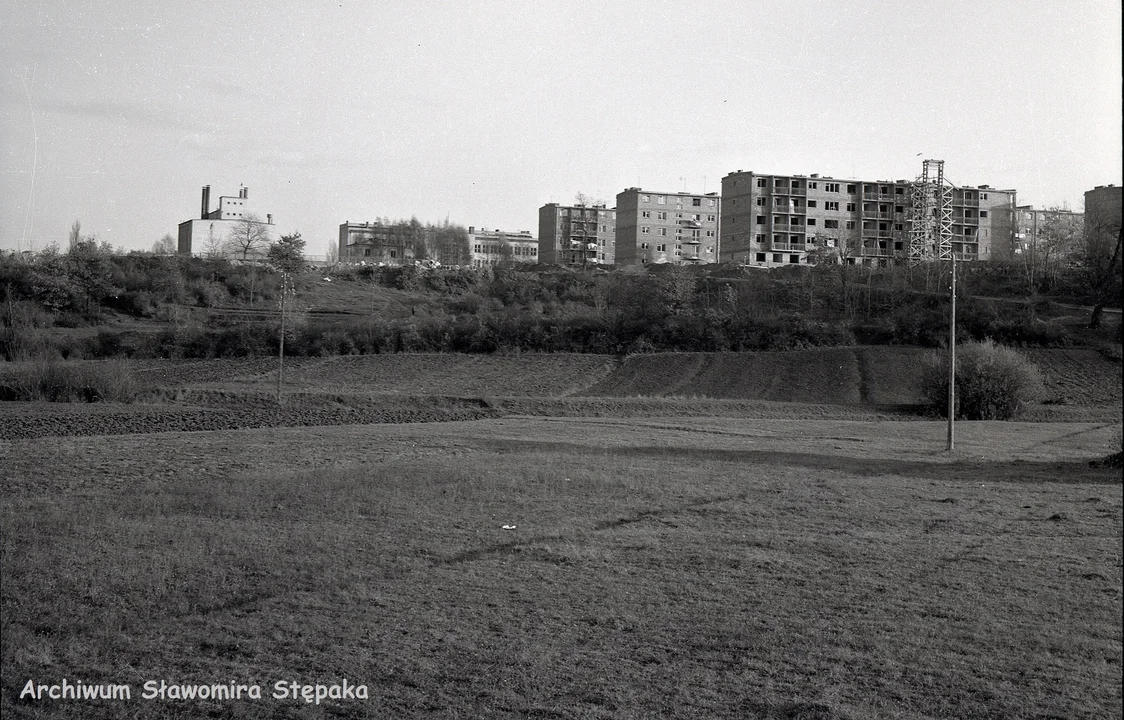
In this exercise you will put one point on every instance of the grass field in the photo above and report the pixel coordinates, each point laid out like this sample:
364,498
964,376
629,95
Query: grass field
652,567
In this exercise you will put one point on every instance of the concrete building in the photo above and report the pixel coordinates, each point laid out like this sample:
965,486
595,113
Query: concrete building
577,235
374,243
211,231
659,227
1033,227
769,220
492,247
1102,210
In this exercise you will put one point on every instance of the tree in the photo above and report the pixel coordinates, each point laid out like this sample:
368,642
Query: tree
333,255
214,246
286,255
165,245
583,200
75,236
249,236
1057,239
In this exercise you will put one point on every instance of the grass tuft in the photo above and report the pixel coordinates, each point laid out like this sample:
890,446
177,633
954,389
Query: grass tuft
61,381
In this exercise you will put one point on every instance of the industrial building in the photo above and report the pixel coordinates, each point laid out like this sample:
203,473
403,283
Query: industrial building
492,247
659,227
210,232
769,220
577,235
374,243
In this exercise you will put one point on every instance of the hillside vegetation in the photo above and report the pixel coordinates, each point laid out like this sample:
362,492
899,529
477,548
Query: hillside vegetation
88,303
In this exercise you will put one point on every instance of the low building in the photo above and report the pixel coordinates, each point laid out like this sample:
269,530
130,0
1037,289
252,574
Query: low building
1036,228
374,243
214,232
659,227
493,247
577,235
1102,211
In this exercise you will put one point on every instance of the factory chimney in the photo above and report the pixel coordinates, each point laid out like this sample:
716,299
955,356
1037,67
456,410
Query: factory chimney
205,205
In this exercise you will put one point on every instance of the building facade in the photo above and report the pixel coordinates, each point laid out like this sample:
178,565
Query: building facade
577,235
212,231
1035,227
374,243
493,247
770,220
1102,211
659,227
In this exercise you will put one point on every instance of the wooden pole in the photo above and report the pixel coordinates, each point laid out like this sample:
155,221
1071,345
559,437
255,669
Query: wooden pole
281,345
952,361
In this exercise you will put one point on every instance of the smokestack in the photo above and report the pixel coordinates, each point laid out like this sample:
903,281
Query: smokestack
268,219
205,206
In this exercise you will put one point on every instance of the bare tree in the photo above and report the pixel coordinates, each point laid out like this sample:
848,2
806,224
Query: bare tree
165,245
333,255
583,200
214,246
75,236
250,236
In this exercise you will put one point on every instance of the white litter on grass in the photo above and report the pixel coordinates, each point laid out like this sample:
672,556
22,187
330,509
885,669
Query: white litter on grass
508,527
327,279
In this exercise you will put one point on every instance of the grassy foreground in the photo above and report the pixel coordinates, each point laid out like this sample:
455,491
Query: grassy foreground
677,568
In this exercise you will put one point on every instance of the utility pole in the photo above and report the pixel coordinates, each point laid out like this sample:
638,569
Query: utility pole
281,351
952,360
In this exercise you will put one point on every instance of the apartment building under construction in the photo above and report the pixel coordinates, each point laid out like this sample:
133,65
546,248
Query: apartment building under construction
769,220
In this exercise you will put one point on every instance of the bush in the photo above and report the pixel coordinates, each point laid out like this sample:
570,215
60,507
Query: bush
111,381
993,382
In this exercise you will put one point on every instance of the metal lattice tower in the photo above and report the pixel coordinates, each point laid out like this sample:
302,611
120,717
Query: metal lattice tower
930,228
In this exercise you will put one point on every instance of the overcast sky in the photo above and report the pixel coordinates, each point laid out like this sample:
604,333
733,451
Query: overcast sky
116,112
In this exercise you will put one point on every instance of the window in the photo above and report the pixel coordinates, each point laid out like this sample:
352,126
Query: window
645,214
899,209
831,187
831,224
761,182
760,257
645,230
983,196
475,248
645,198
393,253
760,219
678,247
760,201
811,221
780,202
643,246
367,252
661,215
711,202
710,233
850,224
983,213
899,191
813,186
697,202
851,207
811,203
777,258
794,259
761,239
661,231
678,216
660,200
661,248
710,218
831,206
795,184
852,189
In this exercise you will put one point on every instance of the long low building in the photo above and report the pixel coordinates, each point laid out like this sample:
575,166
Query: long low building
493,247
770,220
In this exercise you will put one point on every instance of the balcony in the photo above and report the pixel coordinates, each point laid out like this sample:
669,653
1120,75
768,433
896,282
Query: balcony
876,252
789,247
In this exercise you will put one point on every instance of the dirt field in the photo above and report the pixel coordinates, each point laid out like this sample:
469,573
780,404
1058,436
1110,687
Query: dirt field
673,567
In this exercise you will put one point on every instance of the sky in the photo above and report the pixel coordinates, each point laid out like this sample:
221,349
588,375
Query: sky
115,113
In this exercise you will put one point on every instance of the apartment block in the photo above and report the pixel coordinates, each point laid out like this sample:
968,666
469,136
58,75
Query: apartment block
577,235
769,220
492,247
211,230
1102,210
659,227
1033,226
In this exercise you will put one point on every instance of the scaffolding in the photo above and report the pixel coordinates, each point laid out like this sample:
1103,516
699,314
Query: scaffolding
930,217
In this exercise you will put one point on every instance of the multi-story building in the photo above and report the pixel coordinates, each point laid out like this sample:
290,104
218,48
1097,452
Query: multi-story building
659,227
1035,227
212,230
1102,211
577,235
375,243
770,220
492,247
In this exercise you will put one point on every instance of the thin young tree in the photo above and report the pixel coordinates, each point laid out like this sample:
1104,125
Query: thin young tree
286,256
